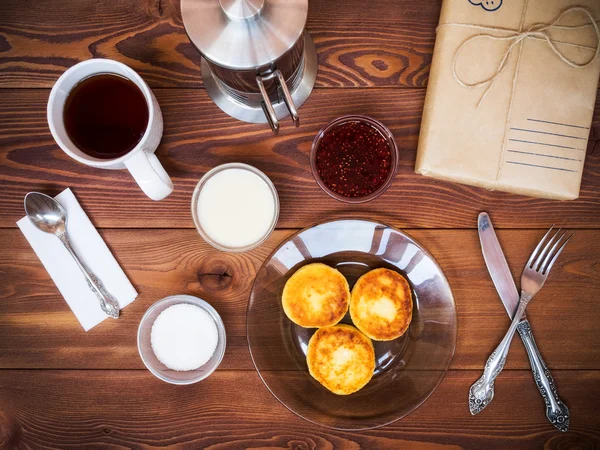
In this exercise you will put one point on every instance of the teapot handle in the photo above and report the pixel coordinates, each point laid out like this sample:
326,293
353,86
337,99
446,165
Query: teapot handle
287,98
267,105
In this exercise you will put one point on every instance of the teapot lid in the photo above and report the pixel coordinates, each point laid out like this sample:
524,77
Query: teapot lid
244,34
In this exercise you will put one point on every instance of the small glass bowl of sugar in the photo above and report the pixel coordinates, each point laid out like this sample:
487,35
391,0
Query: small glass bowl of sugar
181,339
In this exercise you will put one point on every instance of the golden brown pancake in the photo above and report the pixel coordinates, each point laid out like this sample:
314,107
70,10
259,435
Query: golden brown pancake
316,296
341,358
381,305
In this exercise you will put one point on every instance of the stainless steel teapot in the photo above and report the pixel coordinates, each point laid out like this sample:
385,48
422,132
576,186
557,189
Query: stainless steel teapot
258,63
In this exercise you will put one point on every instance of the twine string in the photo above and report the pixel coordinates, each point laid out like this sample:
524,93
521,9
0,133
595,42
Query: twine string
538,31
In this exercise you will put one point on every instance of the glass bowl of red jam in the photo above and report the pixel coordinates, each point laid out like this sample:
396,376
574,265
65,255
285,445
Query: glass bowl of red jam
354,158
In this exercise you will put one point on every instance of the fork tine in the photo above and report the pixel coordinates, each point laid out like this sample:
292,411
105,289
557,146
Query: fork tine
534,253
547,269
538,262
551,251
542,253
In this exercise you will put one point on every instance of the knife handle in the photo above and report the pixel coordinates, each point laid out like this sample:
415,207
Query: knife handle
556,411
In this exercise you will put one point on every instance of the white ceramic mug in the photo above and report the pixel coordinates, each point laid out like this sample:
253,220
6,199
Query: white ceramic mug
141,161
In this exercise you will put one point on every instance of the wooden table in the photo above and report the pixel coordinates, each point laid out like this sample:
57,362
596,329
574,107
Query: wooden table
63,388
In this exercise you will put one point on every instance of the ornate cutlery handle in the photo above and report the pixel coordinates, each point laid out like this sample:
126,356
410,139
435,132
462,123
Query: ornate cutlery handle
108,303
556,411
482,391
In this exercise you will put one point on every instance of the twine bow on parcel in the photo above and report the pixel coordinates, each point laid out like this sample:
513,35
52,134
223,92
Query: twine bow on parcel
537,32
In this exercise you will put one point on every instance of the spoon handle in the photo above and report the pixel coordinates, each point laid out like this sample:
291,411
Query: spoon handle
108,303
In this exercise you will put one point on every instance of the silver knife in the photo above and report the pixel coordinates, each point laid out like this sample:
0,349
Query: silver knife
556,411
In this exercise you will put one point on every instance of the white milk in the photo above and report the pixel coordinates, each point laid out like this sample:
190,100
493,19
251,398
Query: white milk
236,208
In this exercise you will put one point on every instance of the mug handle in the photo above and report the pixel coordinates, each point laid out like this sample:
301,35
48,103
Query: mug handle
148,172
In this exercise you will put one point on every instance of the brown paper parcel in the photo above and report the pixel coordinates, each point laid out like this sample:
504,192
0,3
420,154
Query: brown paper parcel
511,95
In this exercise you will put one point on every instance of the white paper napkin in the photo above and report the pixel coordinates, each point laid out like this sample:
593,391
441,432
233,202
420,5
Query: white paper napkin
92,251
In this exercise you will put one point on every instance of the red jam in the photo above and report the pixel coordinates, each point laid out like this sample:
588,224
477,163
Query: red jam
354,159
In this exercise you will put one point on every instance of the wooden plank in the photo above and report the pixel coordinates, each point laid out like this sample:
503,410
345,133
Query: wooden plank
388,43
233,410
37,330
198,136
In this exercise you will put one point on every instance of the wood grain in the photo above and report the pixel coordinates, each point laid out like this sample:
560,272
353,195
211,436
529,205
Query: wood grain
233,410
388,43
380,47
198,136
37,330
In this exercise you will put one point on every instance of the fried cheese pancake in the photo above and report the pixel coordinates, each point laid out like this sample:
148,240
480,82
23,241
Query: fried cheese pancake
316,296
381,304
341,358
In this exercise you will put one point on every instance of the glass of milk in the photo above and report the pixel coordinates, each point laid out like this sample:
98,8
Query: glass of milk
235,207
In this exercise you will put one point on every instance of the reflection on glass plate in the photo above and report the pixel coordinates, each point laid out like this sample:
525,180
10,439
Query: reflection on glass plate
408,369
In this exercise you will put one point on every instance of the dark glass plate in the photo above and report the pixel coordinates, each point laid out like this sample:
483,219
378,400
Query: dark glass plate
408,369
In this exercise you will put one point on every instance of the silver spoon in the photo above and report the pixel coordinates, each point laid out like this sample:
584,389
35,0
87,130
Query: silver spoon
47,215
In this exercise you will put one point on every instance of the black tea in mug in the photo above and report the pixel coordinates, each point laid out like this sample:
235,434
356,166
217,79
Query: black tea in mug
106,115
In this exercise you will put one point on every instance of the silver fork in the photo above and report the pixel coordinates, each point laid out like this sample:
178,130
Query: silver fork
533,278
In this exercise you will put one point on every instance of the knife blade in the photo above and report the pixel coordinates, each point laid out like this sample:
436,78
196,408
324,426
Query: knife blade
497,265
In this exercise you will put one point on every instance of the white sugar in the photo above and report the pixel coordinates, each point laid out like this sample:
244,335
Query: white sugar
184,337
